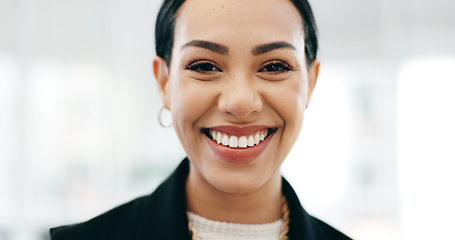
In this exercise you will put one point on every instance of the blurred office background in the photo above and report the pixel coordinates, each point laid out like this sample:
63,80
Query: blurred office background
79,132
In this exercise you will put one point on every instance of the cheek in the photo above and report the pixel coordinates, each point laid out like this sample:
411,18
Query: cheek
288,99
189,101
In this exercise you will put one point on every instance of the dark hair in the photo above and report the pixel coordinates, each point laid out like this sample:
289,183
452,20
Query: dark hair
165,23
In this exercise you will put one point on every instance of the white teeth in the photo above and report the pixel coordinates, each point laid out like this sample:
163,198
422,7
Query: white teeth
233,142
243,142
256,138
238,142
250,141
219,138
225,140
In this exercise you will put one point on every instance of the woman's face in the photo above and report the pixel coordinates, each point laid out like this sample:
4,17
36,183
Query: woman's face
237,87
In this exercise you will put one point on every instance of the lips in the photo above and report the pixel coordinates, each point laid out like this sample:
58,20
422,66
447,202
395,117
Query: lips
238,144
242,141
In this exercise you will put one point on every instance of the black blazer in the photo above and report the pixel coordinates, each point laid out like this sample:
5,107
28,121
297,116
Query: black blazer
162,215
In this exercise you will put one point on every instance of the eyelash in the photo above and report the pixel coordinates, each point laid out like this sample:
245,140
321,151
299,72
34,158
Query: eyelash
280,67
199,65
277,65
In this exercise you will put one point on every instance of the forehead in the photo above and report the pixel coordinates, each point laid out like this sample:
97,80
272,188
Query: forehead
248,22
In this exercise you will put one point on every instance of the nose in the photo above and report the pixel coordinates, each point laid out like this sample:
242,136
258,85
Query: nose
240,98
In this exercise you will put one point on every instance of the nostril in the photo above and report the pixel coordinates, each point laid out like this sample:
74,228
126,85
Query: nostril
240,103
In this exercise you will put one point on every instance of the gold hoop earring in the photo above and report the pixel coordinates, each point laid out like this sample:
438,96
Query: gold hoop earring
160,121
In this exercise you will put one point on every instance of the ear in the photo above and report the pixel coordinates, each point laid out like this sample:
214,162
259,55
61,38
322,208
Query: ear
161,72
313,74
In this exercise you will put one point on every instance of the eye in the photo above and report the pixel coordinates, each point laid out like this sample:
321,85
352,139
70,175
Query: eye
203,67
276,67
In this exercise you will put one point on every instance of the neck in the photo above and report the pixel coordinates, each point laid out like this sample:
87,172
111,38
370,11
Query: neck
262,205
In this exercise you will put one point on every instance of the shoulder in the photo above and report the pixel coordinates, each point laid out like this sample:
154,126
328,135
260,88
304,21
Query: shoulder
322,230
118,223
156,216
304,225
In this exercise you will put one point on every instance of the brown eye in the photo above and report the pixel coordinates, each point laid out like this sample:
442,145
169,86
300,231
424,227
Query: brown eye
203,67
275,67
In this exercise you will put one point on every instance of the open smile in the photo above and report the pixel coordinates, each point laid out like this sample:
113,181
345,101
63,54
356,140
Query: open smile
239,145
226,137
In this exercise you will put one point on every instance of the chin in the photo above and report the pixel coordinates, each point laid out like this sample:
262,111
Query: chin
239,181
224,172
236,186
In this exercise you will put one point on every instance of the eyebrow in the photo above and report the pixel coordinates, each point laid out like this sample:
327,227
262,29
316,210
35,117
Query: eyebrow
214,47
265,48
221,49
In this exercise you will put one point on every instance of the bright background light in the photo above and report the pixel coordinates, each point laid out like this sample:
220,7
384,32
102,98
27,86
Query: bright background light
426,148
79,132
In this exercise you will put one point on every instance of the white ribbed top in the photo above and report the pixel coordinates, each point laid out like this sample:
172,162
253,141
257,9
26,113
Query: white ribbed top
207,229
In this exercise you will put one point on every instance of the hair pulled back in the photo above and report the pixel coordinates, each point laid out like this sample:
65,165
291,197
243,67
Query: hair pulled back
165,24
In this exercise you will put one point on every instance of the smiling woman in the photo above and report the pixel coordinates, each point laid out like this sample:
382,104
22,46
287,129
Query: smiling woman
237,77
